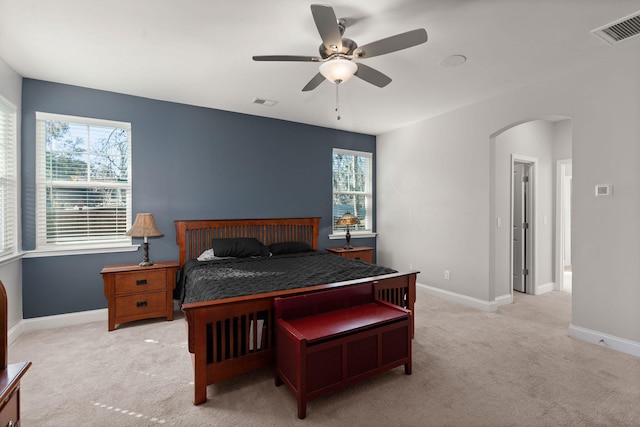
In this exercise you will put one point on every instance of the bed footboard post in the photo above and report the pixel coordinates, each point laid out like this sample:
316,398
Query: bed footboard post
197,345
411,299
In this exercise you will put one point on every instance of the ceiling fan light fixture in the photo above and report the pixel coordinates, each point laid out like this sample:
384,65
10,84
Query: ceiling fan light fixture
338,70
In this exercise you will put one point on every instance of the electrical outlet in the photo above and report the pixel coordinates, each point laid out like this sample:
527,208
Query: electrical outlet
447,275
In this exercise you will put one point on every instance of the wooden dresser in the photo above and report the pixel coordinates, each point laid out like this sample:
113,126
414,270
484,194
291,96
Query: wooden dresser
10,383
134,292
10,375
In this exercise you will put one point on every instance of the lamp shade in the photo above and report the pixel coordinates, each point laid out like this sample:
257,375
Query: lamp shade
144,226
348,219
338,70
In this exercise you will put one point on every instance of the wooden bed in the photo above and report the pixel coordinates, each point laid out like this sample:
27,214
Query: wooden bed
229,323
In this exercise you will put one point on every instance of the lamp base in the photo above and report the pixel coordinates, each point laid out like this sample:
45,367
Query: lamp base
348,236
145,260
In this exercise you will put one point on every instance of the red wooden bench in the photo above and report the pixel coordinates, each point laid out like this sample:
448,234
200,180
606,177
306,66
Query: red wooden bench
330,339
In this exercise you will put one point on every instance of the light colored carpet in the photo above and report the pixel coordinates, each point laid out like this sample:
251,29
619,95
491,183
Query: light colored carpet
516,367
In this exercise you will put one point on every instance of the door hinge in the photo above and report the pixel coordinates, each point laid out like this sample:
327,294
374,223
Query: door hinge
525,225
525,179
525,271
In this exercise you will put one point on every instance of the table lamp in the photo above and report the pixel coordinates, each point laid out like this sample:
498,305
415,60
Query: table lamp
348,219
145,226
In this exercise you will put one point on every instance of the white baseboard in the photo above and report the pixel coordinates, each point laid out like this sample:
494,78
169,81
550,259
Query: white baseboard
56,321
60,320
605,340
489,306
15,332
544,288
505,299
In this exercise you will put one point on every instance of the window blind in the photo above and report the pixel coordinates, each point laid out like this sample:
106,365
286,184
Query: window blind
84,181
8,180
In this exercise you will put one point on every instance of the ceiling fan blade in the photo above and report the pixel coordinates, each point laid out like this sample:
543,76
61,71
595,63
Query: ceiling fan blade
314,82
287,58
372,76
327,23
392,44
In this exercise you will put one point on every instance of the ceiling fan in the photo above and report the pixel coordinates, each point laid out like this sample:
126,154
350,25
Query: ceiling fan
337,53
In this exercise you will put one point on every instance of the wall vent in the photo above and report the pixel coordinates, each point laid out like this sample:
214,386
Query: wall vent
623,29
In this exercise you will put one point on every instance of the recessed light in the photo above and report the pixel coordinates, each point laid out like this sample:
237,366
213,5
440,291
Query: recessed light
262,101
453,61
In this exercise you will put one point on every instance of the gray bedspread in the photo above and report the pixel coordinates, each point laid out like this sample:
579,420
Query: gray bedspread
211,280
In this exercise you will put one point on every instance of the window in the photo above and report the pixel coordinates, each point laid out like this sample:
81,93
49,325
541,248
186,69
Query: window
83,182
352,188
8,180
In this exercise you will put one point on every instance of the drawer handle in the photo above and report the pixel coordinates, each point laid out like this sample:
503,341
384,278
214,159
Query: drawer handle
141,304
141,282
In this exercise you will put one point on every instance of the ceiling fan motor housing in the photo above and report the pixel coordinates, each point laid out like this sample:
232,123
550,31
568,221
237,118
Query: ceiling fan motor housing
348,46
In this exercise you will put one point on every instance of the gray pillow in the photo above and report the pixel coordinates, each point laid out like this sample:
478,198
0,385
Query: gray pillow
289,248
238,247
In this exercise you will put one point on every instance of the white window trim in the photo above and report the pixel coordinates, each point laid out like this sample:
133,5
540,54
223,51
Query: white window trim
355,234
11,221
39,253
93,247
79,119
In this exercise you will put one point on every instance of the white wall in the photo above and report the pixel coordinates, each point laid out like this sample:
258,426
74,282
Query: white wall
435,177
11,272
563,134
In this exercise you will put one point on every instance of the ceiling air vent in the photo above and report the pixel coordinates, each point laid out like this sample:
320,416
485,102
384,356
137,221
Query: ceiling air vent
623,29
267,102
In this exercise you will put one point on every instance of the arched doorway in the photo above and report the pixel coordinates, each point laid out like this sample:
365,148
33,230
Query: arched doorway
525,253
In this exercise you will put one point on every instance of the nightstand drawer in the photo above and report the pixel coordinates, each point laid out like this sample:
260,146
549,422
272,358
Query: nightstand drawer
141,304
141,281
362,253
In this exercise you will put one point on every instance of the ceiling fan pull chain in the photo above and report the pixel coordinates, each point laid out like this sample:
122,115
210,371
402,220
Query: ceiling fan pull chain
337,103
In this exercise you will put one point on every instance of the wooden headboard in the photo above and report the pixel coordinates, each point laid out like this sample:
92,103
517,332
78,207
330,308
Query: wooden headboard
194,236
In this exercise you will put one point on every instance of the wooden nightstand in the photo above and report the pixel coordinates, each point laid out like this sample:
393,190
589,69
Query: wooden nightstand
136,293
363,253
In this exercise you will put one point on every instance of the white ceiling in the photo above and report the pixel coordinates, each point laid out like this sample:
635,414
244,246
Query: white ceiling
200,52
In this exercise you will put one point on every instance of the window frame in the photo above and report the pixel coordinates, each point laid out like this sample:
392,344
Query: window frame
9,240
339,233
81,246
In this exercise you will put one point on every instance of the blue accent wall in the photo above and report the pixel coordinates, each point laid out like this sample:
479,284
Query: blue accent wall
188,163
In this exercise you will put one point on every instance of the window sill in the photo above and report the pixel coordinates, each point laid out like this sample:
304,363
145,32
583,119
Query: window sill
8,259
354,235
49,252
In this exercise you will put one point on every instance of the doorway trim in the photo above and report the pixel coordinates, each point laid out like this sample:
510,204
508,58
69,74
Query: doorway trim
531,242
561,166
